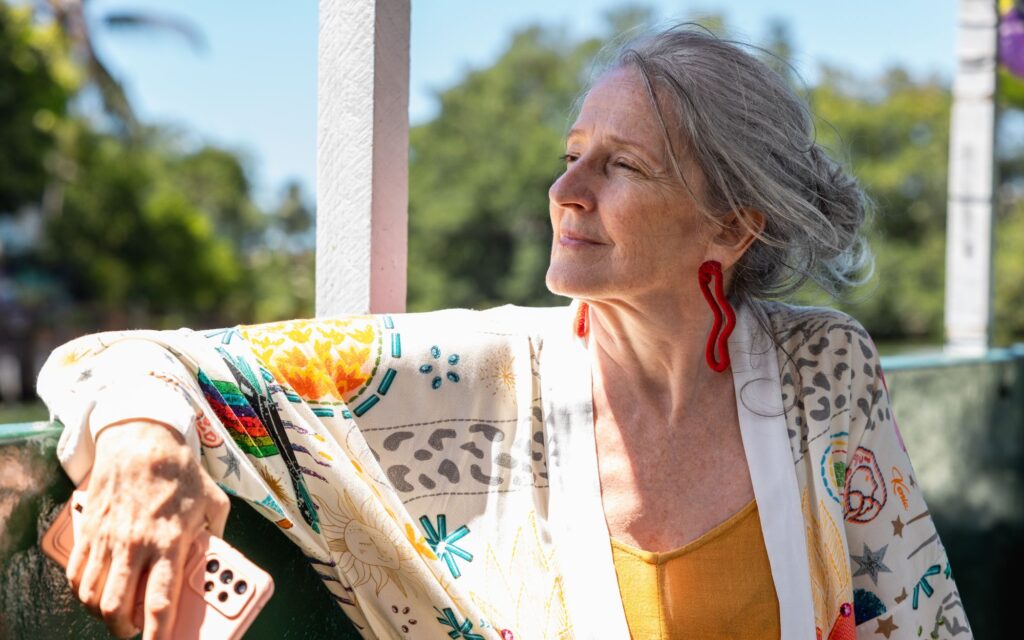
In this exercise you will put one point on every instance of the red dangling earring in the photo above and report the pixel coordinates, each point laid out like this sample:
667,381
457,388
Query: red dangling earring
718,340
580,324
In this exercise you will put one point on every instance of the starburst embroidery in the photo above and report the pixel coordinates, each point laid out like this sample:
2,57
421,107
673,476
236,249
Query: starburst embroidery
71,357
226,335
443,543
501,376
924,585
275,485
459,629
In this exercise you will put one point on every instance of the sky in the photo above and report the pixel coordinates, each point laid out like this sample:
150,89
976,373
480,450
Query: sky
253,86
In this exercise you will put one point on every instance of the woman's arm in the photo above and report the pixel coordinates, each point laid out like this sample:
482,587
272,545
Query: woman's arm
135,409
292,417
129,408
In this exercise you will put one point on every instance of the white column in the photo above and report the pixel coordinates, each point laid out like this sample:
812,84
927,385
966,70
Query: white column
362,156
971,183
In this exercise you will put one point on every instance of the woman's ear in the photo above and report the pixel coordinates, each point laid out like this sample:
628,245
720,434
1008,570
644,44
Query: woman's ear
736,232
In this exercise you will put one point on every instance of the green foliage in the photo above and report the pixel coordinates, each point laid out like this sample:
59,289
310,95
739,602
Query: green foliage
1011,89
479,174
893,133
1009,276
133,231
139,229
175,234
34,89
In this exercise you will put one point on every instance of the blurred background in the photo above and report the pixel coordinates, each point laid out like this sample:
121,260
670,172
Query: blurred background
158,158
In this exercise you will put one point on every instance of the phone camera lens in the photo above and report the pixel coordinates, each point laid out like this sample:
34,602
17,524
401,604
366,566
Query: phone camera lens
240,587
222,596
212,566
208,586
226,576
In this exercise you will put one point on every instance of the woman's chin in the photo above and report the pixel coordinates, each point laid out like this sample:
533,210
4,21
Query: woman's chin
573,282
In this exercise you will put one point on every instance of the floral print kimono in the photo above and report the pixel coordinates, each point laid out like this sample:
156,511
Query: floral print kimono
439,470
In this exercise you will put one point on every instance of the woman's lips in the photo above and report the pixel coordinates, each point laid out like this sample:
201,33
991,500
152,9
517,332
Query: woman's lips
573,240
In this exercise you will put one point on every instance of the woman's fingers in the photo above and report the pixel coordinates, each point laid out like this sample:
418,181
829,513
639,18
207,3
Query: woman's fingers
94,575
117,604
76,562
139,617
163,590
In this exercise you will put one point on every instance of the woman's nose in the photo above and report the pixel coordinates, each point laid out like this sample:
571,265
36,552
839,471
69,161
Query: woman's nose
573,189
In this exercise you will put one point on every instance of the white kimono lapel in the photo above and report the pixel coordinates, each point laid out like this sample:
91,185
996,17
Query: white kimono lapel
576,517
755,369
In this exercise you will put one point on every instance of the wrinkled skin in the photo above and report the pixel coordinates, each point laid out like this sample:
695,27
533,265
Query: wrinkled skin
147,500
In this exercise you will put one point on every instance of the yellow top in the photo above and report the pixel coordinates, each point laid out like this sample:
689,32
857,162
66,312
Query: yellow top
718,586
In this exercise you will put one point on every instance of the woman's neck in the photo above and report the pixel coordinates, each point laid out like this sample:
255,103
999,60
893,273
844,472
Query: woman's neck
649,359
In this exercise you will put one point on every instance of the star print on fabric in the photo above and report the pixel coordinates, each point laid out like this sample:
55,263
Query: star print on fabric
443,543
897,527
871,563
85,375
232,464
903,596
886,626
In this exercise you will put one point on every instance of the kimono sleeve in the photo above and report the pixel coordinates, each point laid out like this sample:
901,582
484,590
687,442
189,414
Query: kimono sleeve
902,581
97,380
275,413
248,429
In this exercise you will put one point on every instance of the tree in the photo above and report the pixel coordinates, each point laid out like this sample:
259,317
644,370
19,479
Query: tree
893,132
172,233
479,173
69,17
134,220
36,81
133,234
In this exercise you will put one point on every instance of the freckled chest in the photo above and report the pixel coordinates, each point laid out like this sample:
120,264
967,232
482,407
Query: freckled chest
664,486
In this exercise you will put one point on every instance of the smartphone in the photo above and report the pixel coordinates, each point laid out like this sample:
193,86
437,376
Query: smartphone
222,593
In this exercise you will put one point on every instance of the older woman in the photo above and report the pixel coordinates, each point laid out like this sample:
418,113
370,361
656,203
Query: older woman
671,456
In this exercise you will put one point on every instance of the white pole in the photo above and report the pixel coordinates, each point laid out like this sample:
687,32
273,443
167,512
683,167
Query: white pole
971,180
362,156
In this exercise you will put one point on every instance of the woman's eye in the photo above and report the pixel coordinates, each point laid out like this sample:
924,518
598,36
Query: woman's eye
568,158
625,165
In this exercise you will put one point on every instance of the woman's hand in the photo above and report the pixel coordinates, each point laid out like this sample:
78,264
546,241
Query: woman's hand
147,500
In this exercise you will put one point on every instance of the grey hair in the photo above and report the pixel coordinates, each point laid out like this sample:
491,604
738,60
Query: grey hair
753,139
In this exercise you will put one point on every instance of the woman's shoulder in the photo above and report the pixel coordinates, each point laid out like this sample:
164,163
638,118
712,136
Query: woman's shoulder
824,347
815,329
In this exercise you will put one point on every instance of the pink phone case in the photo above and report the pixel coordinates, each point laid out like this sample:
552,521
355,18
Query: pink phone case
222,592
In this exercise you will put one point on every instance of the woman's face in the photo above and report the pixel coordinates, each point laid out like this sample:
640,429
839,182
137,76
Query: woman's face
624,224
